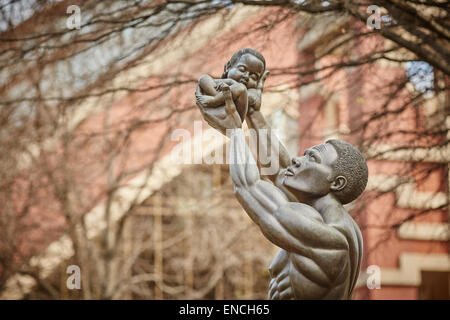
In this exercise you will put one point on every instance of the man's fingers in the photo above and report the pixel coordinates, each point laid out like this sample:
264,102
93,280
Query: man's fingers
197,99
230,108
229,103
220,86
266,73
263,79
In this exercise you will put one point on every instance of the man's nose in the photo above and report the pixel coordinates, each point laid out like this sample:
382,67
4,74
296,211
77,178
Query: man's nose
296,162
245,75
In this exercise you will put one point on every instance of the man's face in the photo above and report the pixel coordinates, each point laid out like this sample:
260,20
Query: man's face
310,176
248,70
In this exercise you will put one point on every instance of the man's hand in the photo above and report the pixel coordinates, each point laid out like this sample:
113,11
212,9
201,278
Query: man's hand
266,140
230,107
260,87
220,118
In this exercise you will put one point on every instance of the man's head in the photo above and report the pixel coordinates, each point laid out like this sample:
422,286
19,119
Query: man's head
245,66
335,166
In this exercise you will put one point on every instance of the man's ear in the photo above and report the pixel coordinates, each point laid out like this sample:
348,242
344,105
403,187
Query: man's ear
338,183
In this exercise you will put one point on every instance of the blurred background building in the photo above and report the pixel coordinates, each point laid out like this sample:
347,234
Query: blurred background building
93,119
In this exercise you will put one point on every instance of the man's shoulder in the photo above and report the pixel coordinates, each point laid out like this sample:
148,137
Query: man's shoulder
303,209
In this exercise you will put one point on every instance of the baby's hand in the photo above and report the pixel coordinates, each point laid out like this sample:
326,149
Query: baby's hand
225,82
220,86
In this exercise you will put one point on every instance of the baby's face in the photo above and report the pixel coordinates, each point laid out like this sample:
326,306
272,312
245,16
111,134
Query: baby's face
248,70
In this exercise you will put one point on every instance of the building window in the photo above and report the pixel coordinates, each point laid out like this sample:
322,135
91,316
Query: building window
435,285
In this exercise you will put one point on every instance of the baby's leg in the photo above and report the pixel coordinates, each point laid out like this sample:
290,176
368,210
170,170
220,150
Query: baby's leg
210,97
208,85
238,92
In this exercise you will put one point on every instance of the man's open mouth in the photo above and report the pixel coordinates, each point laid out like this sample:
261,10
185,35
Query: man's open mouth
289,172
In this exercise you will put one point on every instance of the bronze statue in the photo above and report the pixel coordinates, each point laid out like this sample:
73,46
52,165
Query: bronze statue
300,208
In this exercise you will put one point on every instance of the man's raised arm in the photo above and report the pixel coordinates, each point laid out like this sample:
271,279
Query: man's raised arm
275,153
294,227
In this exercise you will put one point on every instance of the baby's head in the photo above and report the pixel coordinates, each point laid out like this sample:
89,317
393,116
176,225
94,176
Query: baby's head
245,66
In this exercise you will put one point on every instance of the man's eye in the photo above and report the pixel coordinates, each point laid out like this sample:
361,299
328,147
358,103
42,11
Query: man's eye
254,78
312,157
241,69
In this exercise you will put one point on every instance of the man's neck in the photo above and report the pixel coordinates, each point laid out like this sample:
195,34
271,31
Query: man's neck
323,206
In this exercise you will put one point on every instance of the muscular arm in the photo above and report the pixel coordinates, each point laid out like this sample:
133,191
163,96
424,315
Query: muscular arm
294,227
278,157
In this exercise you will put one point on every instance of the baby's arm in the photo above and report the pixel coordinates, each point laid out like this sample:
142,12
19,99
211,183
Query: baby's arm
208,85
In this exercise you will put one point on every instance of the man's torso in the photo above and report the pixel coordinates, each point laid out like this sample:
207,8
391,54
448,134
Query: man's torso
324,274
